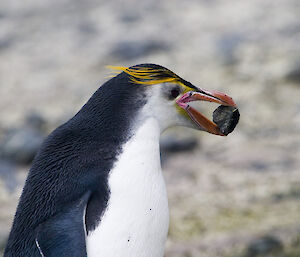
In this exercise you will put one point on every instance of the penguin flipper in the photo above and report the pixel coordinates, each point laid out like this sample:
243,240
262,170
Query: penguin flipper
64,234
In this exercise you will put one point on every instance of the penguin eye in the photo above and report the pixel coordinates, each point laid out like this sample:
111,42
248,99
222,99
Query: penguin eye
174,93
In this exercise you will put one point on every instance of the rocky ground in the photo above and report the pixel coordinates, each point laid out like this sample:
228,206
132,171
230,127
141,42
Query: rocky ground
235,196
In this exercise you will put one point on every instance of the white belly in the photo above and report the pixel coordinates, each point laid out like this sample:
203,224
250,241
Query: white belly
136,222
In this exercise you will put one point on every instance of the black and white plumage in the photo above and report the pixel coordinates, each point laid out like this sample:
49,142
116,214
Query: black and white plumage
95,187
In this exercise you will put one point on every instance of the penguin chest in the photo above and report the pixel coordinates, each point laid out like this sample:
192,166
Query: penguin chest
136,220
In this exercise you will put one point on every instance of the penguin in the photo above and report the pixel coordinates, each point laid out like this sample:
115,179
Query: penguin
95,187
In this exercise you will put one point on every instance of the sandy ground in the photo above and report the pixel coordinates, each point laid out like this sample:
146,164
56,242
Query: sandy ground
228,191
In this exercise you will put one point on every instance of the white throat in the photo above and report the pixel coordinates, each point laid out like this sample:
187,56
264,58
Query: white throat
136,221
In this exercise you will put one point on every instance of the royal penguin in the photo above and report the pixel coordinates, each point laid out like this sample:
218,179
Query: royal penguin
95,187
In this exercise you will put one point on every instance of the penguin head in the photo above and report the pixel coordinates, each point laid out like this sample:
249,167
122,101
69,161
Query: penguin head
168,98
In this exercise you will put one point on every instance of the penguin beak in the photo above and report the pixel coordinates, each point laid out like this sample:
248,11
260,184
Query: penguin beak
204,95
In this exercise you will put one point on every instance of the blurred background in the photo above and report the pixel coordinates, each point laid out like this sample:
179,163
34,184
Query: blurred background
234,196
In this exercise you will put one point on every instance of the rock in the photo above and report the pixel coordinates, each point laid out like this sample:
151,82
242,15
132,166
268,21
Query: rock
129,17
293,74
128,50
265,246
87,28
3,240
20,145
259,165
2,15
226,117
227,45
7,175
174,145
170,145
35,121
5,43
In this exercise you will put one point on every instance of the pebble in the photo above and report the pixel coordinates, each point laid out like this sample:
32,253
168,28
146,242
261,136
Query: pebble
170,145
128,50
226,117
20,145
267,245
7,175
293,74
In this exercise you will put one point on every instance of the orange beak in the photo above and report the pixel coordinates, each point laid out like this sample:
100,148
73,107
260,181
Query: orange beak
204,95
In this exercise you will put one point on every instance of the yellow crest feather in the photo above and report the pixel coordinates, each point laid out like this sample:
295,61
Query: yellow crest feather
147,75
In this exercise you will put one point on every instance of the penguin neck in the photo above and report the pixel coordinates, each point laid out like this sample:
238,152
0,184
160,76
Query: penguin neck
136,220
144,144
